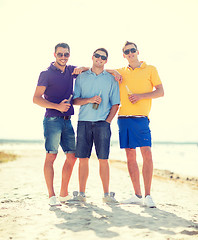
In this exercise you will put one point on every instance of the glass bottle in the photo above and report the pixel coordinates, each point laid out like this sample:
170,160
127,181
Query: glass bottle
128,90
96,105
68,101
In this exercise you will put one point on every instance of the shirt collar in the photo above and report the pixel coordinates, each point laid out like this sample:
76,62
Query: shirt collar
143,65
90,72
54,68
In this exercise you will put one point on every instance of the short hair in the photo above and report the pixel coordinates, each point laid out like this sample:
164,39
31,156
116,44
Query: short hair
103,50
63,45
129,43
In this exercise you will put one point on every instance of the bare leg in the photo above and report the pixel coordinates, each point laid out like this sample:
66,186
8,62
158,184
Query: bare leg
133,170
147,169
104,174
66,173
49,172
83,173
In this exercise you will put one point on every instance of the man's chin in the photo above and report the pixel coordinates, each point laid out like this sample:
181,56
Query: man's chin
62,64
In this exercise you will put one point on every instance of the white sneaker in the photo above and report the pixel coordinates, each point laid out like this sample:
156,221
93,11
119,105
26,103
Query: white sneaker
110,198
133,200
53,201
64,199
78,197
148,201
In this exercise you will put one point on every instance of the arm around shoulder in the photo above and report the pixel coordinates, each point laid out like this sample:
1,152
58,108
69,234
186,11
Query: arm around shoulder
116,74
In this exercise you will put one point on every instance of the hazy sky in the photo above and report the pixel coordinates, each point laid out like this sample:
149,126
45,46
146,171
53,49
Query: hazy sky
165,32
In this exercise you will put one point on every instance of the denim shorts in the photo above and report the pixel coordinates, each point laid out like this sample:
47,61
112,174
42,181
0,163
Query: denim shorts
88,133
58,131
134,132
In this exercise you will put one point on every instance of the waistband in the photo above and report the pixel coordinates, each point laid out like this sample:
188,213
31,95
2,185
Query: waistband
126,117
66,117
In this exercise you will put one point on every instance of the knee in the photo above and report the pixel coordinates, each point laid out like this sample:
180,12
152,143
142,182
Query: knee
147,154
71,159
50,158
83,161
103,162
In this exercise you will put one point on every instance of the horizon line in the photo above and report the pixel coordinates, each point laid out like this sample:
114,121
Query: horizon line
42,140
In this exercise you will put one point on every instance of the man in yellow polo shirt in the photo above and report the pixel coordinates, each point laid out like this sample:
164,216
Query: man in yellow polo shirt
140,84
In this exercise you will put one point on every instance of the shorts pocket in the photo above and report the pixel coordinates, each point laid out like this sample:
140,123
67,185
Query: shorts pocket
52,119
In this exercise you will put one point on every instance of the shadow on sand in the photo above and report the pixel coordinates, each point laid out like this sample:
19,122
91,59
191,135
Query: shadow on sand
79,217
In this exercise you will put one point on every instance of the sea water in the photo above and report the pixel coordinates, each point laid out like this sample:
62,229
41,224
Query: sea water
180,158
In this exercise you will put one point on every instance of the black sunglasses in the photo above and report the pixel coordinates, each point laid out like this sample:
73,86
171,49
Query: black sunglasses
96,55
132,50
61,54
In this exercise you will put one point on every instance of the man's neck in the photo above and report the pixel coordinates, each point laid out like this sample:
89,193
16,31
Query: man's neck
135,64
96,70
62,68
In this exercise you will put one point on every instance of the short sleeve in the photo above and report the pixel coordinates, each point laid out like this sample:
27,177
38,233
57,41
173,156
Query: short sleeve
115,94
77,88
43,80
155,79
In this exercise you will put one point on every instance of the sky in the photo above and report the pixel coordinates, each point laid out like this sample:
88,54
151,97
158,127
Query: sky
164,31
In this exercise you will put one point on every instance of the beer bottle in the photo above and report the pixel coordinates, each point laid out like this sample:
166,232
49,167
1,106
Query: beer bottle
96,105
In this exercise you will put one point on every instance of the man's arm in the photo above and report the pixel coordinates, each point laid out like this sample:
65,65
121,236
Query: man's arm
112,113
83,101
158,92
116,74
39,100
79,70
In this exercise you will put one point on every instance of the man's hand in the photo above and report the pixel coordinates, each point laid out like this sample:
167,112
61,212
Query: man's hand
79,70
63,106
134,98
118,76
95,99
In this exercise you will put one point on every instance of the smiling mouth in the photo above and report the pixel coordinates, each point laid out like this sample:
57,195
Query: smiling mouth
63,61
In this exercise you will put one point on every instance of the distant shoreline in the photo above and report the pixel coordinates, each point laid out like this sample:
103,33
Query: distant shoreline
163,174
4,140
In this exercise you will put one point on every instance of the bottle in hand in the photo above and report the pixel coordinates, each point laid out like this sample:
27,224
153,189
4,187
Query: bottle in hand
96,105
128,91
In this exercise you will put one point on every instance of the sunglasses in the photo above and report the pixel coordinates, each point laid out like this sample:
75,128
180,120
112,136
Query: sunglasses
96,55
63,54
132,50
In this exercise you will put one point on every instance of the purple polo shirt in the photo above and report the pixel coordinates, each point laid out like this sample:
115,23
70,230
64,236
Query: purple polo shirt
59,86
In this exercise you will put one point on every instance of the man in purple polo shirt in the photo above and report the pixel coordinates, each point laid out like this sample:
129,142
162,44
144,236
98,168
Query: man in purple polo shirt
54,88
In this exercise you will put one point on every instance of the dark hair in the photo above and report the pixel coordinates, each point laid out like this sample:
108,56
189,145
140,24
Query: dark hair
103,50
129,43
63,45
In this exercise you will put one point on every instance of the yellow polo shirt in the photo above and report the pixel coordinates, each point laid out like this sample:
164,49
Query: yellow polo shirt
139,80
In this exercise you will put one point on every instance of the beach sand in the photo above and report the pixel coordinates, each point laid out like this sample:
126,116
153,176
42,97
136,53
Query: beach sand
25,213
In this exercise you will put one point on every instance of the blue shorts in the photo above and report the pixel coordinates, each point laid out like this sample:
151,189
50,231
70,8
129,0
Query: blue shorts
88,133
134,132
58,131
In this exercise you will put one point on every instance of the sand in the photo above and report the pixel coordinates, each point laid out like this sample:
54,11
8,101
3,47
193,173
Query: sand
25,213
